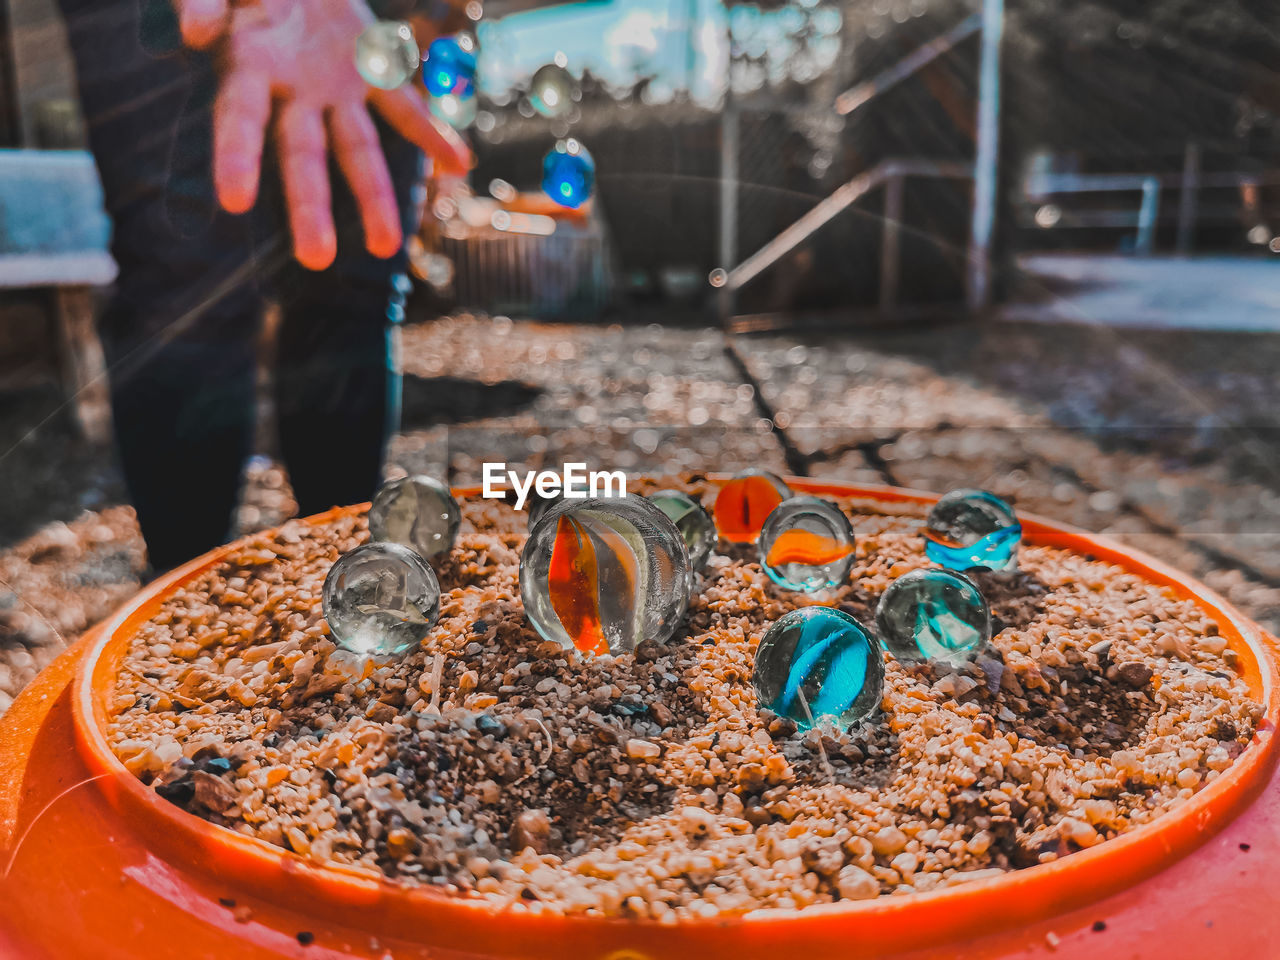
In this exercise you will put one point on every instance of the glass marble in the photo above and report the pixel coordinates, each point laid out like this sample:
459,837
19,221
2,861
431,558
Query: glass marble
537,504
380,599
386,54
807,544
417,512
601,575
745,502
448,68
693,522
458,112
972,528
568,173
818,665
551,90
933,614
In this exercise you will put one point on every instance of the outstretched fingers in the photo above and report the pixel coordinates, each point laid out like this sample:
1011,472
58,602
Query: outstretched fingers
408,113
201,21
300,133
359,154
240,117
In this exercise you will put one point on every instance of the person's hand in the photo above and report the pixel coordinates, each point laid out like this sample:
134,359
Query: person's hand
201,21
301,55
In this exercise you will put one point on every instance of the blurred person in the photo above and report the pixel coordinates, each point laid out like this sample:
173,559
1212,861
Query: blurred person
242,158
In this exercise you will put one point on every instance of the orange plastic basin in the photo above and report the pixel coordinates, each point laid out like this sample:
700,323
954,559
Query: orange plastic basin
93,864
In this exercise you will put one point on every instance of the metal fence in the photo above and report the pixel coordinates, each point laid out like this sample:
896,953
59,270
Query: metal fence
567,273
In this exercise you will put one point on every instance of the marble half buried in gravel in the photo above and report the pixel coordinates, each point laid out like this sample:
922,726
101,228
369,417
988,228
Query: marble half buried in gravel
972,528
936,615
819,666
694,523
381,599
745,502
492,764
807,544
416,512
605,573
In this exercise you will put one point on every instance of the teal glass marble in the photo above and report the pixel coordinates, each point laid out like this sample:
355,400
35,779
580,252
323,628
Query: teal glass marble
817,666
972,528
417,512
806,544
569,173
692,520
551,90
448,68
386,54
935,615
380,599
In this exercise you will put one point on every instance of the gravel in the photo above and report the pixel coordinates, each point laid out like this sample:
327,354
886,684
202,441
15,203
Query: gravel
493,764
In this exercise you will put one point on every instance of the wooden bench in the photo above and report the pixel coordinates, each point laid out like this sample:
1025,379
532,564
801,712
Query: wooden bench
54,235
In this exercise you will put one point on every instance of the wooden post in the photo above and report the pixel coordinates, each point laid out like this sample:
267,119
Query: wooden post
84,370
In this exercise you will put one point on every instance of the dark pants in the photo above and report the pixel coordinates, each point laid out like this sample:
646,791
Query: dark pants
181,333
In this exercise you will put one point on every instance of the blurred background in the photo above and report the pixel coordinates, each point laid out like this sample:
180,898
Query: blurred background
1022,245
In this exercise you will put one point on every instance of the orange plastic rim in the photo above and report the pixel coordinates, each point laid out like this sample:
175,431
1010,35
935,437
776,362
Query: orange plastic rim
141,875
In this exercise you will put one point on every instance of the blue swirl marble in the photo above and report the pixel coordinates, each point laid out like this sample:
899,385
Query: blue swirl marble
817,666
972,528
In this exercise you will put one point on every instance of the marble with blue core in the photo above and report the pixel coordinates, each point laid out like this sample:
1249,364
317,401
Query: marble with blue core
933,615
972,528
569,174
448,68
819,666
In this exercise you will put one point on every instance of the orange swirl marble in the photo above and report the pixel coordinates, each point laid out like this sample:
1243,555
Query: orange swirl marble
803,546
743,505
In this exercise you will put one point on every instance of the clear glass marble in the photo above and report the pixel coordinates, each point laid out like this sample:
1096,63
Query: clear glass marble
417,512
380,599
449,68
537,504
569,173
818,665
807,544
551,90
693,522
936,615
745,502
386,54
458,112
602,574
972,528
